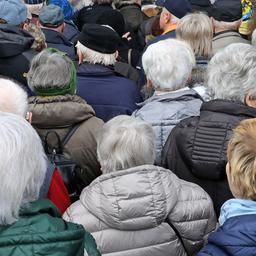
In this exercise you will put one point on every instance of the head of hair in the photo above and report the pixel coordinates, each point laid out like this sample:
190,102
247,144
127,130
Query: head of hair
168,64
125,142
95,57
13,98
196,29
231,73
242,159
49,70
23,166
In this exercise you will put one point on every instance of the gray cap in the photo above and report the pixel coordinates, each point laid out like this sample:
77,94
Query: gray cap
51,16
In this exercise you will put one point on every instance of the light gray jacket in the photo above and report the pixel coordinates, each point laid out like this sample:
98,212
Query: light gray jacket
165,111
127,211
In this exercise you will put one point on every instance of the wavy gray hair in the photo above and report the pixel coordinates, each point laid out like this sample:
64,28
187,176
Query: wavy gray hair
13,98
125,142
168,64
231,73
23,166
49,70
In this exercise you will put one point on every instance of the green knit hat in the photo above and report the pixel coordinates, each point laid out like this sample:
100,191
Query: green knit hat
70,88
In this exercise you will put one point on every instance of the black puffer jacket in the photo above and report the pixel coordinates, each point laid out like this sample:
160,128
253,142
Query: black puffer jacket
196,148
15,52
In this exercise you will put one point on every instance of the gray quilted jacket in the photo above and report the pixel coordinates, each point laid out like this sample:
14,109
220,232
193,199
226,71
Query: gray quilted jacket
128,212
165,111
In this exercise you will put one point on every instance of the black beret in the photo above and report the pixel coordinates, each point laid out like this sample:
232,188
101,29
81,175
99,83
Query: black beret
226,10
99,38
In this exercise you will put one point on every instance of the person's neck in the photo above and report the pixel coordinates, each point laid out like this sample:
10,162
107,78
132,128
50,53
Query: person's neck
219,30
169,27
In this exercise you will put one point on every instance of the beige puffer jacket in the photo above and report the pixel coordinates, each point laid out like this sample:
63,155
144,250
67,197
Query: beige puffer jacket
126,212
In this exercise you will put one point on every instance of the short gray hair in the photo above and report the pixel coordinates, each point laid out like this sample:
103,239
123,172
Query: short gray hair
13,98
125,142
231,73
49,70
95,57
23,166
196,29
168,64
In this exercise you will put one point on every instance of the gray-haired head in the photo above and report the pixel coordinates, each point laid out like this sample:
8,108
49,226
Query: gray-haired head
168,64
125,142
22,166
49,70
231,73
13,98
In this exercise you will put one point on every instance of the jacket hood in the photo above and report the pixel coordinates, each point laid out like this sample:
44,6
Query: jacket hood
14,41
59,111
143,203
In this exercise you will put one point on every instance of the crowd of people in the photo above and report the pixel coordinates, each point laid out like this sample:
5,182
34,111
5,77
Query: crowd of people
127,127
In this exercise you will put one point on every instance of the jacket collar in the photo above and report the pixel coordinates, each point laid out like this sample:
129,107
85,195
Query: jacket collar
229,107
55,37
172,96
226,33
87,69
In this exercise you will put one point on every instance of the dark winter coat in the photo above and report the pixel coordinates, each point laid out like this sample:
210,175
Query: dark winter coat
40,230
60,113
15,52
196,148
236,237
58,40
108,93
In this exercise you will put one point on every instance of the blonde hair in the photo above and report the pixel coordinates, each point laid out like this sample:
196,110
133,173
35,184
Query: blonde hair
242,159
196,29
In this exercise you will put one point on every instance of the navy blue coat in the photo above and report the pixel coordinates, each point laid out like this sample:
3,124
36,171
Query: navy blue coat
237,237
58,40
108,93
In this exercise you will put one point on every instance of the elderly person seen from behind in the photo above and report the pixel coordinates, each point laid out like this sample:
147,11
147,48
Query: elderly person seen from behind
196,148
168,65
52,77
129,183
196,30
29,226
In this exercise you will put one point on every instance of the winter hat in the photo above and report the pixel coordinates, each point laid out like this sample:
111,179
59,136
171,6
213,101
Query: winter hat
203,3
70,88
114,19
35,6
226,10
100,38
14,12
178,8
65,7
51,16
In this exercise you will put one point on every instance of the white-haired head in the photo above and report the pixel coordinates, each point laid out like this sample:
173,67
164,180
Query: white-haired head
168,64
13,98
22,166
94,57
125,142
231,73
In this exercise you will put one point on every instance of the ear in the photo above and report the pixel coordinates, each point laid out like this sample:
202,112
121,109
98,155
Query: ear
116,54
25,26
38,24
62,27
29,117
80,57
250,101
167,17
149,84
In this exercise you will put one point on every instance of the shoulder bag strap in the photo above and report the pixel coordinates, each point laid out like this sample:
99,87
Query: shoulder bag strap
69,134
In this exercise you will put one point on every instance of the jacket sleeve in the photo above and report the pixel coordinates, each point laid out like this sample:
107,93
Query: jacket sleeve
58,193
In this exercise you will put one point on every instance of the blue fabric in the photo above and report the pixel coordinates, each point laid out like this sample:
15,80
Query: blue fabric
57,40
109,94
236,237
65,6
236,207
